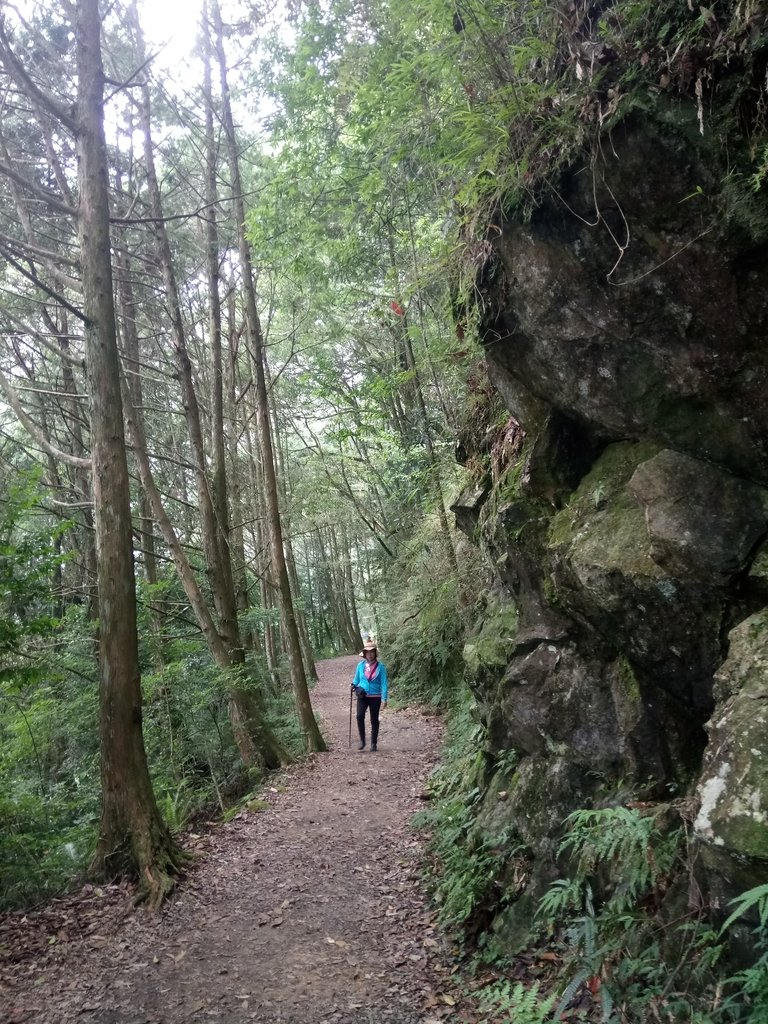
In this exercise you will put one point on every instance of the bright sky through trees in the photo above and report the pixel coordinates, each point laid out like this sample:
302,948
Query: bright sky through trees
172,25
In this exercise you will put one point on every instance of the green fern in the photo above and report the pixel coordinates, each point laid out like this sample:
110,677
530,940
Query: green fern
563,898
628,852
618,835
757,897
516,1003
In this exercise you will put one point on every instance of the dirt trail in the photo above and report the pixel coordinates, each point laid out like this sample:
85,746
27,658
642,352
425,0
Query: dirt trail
307,912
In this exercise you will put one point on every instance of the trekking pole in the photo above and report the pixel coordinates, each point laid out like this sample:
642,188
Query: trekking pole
350,716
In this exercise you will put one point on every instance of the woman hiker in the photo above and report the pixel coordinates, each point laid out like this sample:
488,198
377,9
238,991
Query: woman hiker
371,686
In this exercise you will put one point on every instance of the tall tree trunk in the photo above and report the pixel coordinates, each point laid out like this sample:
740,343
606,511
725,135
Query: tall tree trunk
251,641
312,618
301,618
132,835
290,561
434,468
130,344
350,585
263,567
339,589
312,735
248,724
81,478
219,455
255,741
214,548
403,340
325,590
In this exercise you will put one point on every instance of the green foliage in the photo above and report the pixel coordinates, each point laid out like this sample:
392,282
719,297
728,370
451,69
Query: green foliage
424,626
619,835
753,899
28,560
44,843
178,806
626,855
746,1000
49,765
466,863
637,963
516,1004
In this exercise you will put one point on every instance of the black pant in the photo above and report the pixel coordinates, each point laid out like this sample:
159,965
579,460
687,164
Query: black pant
374,704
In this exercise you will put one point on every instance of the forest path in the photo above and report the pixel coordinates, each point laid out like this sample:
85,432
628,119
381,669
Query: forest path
307,912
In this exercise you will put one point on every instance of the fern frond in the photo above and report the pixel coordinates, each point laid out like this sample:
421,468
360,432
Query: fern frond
757,897
571,989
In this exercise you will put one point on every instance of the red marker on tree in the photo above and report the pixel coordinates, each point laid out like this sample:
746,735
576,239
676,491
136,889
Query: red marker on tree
396,308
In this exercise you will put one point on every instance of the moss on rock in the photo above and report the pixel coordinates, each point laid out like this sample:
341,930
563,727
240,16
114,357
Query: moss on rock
733,787
491,647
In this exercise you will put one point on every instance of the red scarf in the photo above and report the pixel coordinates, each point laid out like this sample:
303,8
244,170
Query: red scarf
371,668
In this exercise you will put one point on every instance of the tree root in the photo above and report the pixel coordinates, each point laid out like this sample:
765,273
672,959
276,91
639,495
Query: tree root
159,879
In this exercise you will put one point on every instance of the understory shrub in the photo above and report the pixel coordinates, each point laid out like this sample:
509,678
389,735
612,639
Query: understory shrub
425,626
466,864
49,706
631,948
627,947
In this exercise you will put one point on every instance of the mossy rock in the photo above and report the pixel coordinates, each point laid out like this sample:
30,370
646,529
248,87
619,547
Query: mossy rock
733,788
676,353
703,522
515,927
604,520
491,648
258,805
494,816
547,788
757,576
603,570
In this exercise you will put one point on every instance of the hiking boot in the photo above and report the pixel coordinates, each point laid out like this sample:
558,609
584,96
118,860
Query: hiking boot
373,748
361,745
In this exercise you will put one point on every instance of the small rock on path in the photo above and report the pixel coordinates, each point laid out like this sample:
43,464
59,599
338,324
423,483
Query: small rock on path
307,912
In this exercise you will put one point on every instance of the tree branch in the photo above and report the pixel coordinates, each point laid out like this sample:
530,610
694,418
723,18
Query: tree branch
47,197
41,284
24,328
34,431
20,75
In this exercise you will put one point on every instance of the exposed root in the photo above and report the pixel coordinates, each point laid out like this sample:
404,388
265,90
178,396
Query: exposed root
159,879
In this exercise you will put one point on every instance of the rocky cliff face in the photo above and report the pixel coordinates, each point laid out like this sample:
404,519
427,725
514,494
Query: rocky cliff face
625,330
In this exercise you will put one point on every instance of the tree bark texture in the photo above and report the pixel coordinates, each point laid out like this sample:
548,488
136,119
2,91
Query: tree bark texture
132,836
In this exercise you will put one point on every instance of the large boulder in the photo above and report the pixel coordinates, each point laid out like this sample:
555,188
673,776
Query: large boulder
624,324
624,305
608,570
732,822
702,522
551,701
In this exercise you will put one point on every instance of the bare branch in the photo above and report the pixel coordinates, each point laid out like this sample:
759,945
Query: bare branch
28,249
42,193
20,75
119,86
34,431
24,328
30,276
188,215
